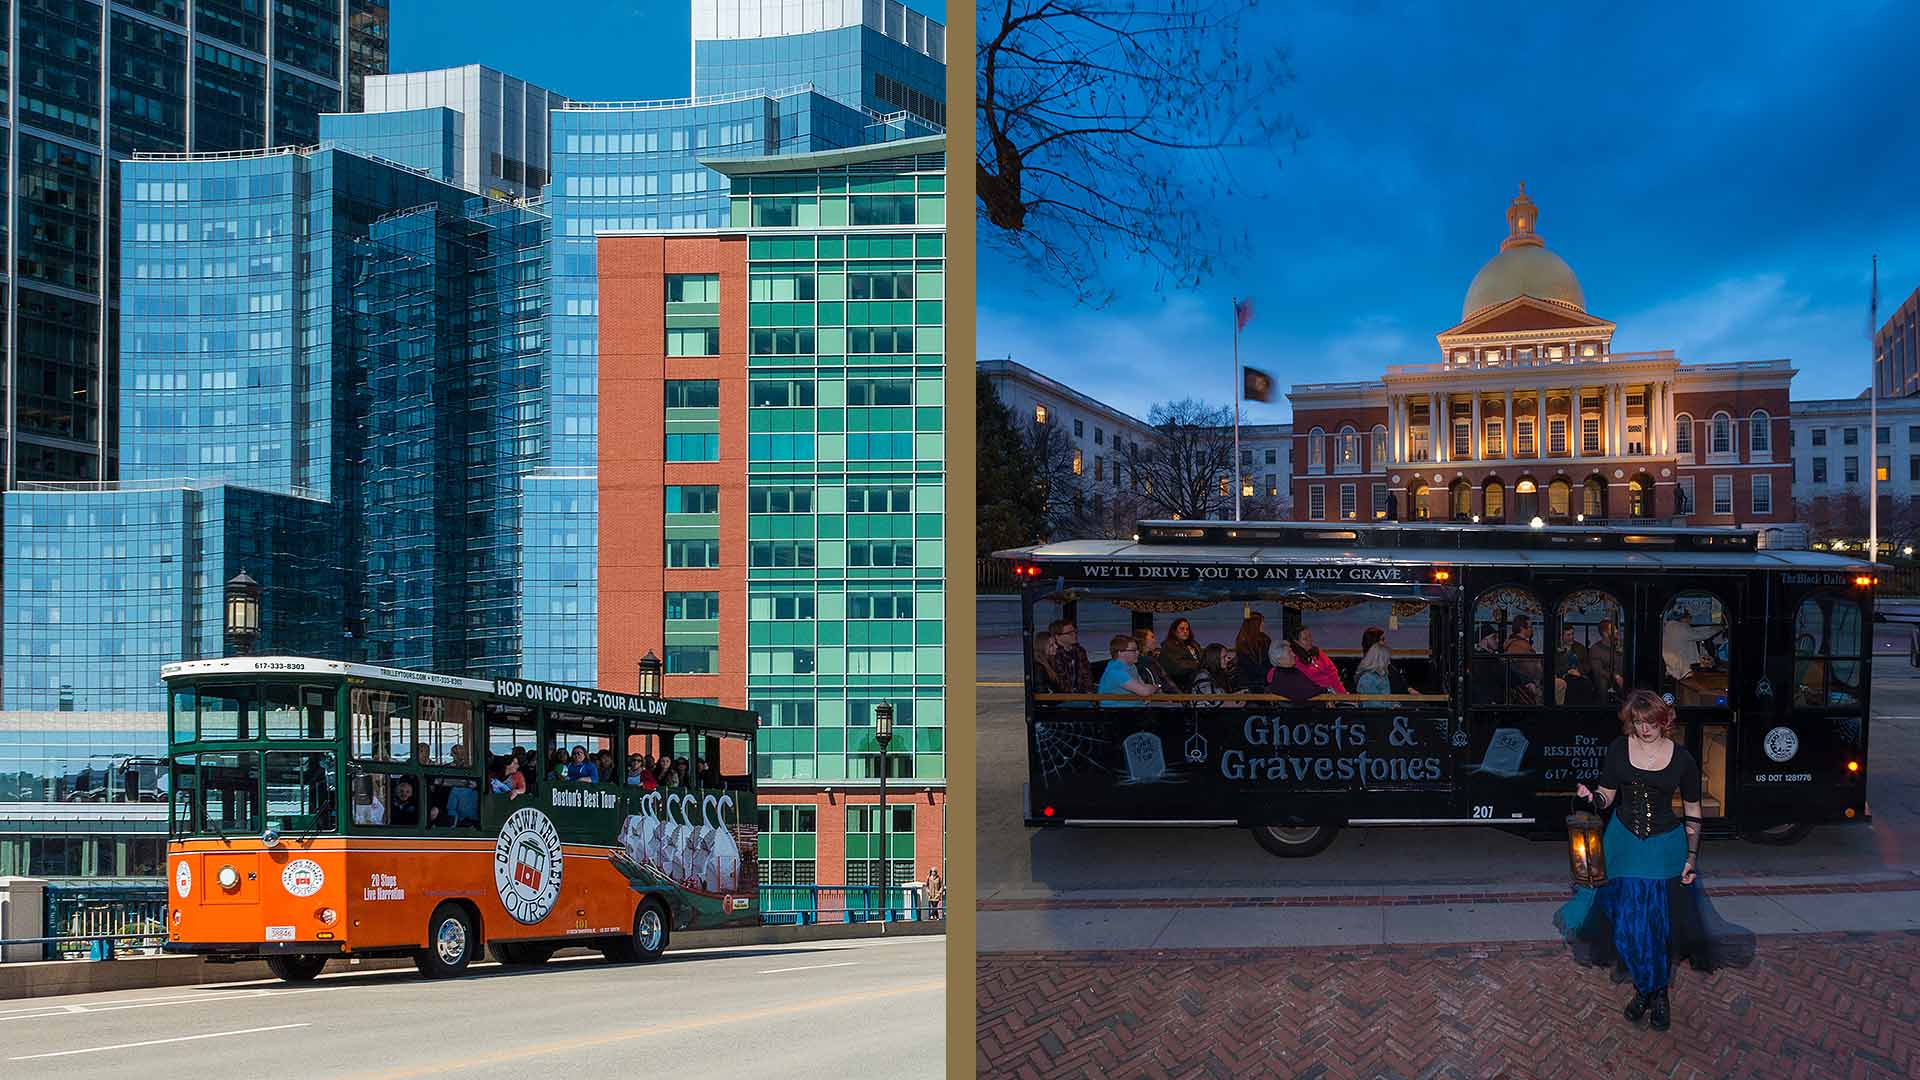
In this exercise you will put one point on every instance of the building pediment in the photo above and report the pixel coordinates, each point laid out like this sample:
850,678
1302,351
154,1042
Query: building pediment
1526,314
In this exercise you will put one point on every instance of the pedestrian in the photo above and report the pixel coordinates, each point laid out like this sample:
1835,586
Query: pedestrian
1651,913
936,893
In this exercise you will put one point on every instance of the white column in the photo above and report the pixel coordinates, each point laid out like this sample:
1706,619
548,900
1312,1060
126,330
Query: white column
1576,420
1540,425
1436,445
1475,442
1506,444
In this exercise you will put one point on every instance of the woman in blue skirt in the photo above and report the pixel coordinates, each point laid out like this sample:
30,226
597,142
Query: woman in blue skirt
1652,912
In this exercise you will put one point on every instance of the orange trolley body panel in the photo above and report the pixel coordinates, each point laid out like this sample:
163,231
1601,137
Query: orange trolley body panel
382,892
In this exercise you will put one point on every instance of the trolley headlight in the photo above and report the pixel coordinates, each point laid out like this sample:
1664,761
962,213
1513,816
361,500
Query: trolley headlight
176,916
327,916
229,878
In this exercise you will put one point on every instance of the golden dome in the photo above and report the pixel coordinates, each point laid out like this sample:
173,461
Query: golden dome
1524,267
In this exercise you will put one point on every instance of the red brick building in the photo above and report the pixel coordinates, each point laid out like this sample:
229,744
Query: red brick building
1530,413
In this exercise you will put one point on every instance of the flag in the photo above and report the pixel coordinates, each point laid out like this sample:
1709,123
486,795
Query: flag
1242,311
1258,385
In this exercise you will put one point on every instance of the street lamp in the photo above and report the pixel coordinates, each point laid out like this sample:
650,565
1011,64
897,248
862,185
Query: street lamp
243,613
649,682
883,734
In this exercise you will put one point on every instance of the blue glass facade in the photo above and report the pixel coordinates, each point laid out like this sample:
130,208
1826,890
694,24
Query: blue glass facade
91,92
430,140
857,65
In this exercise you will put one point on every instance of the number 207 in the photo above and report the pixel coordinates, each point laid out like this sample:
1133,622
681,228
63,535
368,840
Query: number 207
1483,812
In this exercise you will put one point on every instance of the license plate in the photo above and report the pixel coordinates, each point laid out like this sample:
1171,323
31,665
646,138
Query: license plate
279,933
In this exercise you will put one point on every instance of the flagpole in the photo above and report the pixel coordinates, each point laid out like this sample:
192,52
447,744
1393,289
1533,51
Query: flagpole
1238,388
1873,413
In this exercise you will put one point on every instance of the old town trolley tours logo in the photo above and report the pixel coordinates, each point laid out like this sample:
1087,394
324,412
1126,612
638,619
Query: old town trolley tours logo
526,865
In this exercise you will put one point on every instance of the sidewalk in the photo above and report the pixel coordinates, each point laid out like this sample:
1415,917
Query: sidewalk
1015,920
1424,981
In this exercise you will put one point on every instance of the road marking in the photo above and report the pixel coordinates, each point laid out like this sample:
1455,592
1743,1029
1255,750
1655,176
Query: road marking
1003,684
159,1042
809,967
48,1011
558,1050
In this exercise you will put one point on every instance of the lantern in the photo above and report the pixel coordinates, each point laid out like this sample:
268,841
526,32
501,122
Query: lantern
1584,829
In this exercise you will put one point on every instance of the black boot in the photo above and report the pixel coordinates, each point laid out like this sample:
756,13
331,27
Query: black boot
1637,1008
1661,1018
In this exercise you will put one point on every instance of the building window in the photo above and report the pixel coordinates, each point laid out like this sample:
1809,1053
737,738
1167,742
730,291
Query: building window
1460,500
1349,502
1556,434
1559,498
1882,436
1317,450
1079,427
1417,444
1883,466
1316,502
1379,448
1246,487
1099,468
693,315
1913,468
1723,494
1039,414
1523,438
1820,470
1590,435
1683,435
786,849
1271,455
1763,494
1462,357
1720,435
1850,436
863,833
1494,496
693,553
695,447
1381,501
1850,470
1349,449
1588,350
1819,436
1496,434
1225,484
1078,463
1463,439
1761,441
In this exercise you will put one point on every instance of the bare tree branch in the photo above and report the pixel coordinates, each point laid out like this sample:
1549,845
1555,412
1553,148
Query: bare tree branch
1102,127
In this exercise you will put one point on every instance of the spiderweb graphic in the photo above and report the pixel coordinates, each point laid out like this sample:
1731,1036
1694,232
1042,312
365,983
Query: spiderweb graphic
1070,746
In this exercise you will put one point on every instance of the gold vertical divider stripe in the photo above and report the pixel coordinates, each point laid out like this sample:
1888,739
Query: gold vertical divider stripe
962,513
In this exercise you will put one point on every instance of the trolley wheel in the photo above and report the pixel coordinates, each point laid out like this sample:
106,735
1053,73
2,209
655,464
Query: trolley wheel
651,928
295,968
1295,841
1781,835
523,953
451,943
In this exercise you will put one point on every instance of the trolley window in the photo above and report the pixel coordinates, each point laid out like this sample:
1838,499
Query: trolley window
230,792
580,748
1695,650
300,792
225,711
382,798
1826,652
446,732
382,725
298,712
1587,664
186,795
1508,667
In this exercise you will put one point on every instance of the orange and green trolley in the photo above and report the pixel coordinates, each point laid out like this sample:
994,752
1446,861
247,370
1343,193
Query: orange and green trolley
322,809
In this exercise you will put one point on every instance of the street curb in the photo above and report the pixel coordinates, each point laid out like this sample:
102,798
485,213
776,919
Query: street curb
1353,900
1543,948
57,978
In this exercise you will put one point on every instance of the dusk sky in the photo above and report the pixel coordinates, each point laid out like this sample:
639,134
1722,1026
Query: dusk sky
588,50
1718,180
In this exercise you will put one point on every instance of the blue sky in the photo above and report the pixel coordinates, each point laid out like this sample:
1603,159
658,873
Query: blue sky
1717,181
593,50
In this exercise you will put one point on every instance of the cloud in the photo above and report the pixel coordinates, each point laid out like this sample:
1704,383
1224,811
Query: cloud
1763,316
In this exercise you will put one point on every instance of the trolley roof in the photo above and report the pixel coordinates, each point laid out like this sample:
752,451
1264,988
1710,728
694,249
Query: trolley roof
1277,544
519,691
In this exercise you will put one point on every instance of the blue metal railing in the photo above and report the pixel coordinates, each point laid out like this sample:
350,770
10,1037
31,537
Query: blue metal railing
99,922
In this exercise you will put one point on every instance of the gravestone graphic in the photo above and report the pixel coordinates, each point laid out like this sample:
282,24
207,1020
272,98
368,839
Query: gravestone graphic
1504,752
1146,760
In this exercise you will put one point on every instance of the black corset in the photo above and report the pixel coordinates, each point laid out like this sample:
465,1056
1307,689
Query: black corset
1645,809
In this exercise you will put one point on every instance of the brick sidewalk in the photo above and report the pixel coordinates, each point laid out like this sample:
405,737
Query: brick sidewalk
1816,1005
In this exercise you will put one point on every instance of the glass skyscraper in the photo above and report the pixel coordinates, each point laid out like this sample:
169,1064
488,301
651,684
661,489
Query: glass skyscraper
92,84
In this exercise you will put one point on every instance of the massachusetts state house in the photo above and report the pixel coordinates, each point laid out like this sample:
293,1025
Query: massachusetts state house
1528,412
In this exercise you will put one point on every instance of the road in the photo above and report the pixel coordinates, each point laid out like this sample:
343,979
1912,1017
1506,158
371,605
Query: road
823,1010
1013,859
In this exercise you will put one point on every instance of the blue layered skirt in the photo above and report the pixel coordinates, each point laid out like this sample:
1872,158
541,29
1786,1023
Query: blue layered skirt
1643,922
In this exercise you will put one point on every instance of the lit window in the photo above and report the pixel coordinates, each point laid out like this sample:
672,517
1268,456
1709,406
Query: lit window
1349,502
1039,414
1076,461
